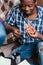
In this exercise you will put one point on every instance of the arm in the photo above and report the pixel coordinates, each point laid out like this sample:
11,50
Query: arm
15,30
8,27
10,22
40,36
35,35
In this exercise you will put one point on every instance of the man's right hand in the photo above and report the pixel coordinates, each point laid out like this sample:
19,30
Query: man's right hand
17,33
15,30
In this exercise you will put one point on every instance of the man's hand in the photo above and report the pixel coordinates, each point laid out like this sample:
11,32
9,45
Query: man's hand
30,31
33,33
29,28
17,33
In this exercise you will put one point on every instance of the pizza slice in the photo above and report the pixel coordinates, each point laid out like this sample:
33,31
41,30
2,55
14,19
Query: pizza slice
30,28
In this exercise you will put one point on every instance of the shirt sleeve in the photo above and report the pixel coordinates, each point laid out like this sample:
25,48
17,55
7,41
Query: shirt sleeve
42,27
10,18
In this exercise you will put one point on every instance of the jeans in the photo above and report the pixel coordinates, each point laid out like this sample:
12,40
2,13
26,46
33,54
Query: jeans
26,51
40,52
2,34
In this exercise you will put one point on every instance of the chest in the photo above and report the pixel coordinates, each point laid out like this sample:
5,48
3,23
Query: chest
37,24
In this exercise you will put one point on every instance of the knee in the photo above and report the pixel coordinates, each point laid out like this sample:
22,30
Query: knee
2,34
40,47
2,37
40,44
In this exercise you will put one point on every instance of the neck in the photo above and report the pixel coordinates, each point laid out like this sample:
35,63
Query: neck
33,15
34,12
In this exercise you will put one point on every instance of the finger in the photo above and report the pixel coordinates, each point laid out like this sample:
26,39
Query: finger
18,31
18,34
27,25
32,35
27,31
29,35
15,35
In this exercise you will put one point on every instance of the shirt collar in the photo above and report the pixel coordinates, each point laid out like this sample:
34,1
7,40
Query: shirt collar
39,12
39,15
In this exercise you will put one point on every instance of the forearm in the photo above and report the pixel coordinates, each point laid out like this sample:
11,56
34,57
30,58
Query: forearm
9,28
40,36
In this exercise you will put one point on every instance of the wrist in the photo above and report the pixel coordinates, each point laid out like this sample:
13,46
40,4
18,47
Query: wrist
40,36
13,28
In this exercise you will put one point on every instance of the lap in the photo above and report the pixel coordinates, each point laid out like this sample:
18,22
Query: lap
26,51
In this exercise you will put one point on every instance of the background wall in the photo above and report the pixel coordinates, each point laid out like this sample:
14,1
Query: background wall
40,2
5,6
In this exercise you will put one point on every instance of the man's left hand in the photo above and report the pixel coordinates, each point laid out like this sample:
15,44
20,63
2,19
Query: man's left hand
31,31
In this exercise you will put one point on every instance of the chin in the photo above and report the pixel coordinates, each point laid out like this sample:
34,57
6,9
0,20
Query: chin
28,14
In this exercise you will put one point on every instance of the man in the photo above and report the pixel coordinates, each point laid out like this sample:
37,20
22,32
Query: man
26,13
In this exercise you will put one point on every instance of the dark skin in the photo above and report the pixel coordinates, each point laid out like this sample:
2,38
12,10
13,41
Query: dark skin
29,7
15,30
